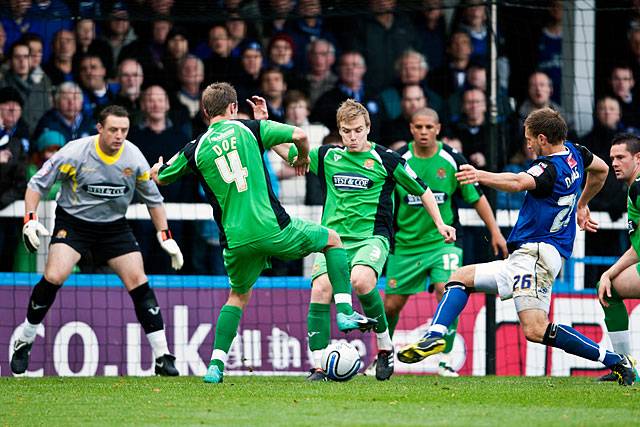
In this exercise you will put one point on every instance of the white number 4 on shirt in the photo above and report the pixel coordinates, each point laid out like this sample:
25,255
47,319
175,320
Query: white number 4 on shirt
233,171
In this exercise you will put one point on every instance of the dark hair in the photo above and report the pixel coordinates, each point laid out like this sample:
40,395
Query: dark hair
631,141
111,110
16,45
549,123
217,97
30,37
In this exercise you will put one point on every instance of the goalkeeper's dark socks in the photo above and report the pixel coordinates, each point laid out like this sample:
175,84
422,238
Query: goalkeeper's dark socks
318,329
147,308
42,297
573,342
449,308
339,271
226,330
373,307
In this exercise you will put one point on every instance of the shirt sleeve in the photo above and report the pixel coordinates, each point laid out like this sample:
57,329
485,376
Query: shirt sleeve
470,193
587,156
313,157
147,189
274,133
58,166
402,173
182,165
544,173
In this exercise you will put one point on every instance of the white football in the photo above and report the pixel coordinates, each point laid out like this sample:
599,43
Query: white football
341,361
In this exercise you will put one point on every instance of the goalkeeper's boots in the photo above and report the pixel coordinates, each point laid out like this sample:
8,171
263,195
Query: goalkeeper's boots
317,374
166,366
625,370
427,346
20,357
384,365
353,321
214,375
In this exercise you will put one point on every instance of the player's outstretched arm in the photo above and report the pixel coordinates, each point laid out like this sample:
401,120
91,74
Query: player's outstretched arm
596,176
431,206
503,181
165,238
498,242
165,173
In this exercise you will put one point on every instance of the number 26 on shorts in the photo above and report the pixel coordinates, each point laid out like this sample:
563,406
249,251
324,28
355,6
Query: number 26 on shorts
524,281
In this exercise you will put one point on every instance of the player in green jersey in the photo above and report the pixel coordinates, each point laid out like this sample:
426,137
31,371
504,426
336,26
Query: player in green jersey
228,161
622,280
420,253
358,180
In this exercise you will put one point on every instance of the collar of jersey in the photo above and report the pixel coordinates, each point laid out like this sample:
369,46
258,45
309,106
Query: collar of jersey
104,156
412,146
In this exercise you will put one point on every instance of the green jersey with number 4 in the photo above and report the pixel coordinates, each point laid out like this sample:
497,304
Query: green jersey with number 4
633,213
228,161
358,188
416,231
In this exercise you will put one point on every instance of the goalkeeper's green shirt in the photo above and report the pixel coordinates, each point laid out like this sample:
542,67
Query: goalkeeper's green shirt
228,161
358,188
415,230
633,213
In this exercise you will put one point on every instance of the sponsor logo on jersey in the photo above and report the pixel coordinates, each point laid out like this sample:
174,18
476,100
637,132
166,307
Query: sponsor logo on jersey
336,156
351,182
224,135
412,200
441,173
127,172
368,164
106,190
86,169
571,161
392,283
537,170
61,234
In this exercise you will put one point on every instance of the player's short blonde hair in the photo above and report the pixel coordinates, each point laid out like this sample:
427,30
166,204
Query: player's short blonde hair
350,110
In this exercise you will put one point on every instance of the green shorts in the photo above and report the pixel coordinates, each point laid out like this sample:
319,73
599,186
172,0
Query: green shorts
245,263
372,252
407,274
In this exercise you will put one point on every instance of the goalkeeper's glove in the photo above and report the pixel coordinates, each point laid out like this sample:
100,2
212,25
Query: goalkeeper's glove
31,232
171,247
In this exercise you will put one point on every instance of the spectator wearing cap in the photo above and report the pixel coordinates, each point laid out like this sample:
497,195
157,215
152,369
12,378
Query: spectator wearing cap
247,82
47,144
66,117
60,67
97,93
13,163
280,55
36,96
118,31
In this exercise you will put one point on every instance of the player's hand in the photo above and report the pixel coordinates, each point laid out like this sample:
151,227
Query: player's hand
155,170
499,245
31,232
604,290
467,174
259,107
584,220
301,165
171,247
448,232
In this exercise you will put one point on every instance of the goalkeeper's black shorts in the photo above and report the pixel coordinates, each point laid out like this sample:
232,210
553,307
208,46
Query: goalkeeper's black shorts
96,242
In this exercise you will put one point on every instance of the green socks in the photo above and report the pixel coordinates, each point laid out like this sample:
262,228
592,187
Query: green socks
616,318
318,326
450,336
373,307
226,329
338,271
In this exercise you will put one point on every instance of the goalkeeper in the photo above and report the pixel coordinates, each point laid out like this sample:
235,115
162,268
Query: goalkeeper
228,160
99,175
420,252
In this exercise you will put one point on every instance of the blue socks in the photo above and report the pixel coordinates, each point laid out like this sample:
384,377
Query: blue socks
573,342
453,302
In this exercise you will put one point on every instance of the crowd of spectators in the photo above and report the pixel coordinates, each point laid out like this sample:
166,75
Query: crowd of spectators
61,62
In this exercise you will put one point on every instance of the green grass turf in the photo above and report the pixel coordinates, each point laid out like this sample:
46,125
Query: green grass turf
405,400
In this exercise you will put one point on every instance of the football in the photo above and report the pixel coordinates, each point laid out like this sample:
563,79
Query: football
341,361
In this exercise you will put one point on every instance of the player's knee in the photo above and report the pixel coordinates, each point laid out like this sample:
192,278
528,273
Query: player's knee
534,331
334,240
239,299
362,284
321,291
55,277
464,275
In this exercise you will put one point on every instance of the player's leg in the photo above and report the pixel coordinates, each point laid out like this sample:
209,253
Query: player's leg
319,323
244,265
129,268
624,286
393,305
60,262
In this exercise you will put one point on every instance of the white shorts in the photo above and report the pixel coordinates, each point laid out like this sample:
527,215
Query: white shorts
526,276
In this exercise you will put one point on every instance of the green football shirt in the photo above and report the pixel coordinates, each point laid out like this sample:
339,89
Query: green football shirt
358,188
416,231
633,213
228,161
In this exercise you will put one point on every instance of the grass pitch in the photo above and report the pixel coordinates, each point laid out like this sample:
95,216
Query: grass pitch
290,401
